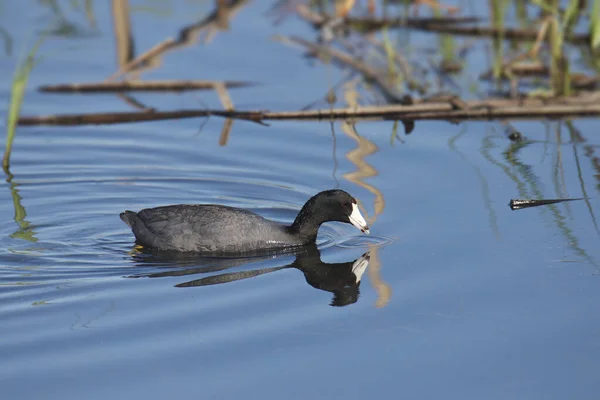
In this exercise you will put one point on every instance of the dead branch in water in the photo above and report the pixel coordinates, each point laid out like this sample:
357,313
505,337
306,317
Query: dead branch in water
453,110
447,25
140,86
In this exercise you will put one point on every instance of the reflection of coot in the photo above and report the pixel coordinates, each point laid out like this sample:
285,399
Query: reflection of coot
341,279
217,229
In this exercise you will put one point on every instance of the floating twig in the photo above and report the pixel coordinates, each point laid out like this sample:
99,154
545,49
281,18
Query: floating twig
581,106
140,86
129,117
518,204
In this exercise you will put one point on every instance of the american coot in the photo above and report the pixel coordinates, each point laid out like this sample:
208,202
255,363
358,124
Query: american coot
210,228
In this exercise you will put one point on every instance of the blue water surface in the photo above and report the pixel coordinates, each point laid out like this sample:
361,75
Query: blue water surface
462,297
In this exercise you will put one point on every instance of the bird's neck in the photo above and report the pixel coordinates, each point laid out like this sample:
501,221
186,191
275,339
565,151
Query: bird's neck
306,224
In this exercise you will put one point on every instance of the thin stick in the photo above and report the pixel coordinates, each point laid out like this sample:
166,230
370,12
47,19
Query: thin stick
130,86
489,109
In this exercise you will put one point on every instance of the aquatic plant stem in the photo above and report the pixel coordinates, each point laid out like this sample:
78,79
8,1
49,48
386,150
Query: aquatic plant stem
16,99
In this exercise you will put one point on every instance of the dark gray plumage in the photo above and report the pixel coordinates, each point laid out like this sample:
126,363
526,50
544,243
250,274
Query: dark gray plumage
212,228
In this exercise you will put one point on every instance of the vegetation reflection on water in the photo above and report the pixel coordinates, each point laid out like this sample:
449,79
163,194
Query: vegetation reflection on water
132,66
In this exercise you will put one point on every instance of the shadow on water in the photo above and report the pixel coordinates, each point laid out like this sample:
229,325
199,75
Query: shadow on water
340,279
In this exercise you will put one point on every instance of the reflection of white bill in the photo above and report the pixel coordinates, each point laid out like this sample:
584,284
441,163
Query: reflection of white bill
360,266
357,219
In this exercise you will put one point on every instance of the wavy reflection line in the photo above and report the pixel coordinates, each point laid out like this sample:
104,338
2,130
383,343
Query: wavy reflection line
364,170
25,230
384,291
357,156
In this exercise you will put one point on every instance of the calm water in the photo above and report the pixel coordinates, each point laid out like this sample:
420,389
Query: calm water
461,297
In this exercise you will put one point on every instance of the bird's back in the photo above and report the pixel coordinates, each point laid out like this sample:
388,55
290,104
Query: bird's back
206,228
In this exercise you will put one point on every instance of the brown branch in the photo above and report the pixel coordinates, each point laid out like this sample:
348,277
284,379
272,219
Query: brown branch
583,106
514,112
128,117
130,86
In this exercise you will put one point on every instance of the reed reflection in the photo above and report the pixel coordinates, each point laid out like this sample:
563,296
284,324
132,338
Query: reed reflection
341,279
25,230
364,170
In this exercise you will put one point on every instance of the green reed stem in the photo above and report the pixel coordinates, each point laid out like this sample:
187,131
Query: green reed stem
17,95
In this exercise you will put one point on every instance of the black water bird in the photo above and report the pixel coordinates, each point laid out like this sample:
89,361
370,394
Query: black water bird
218,229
